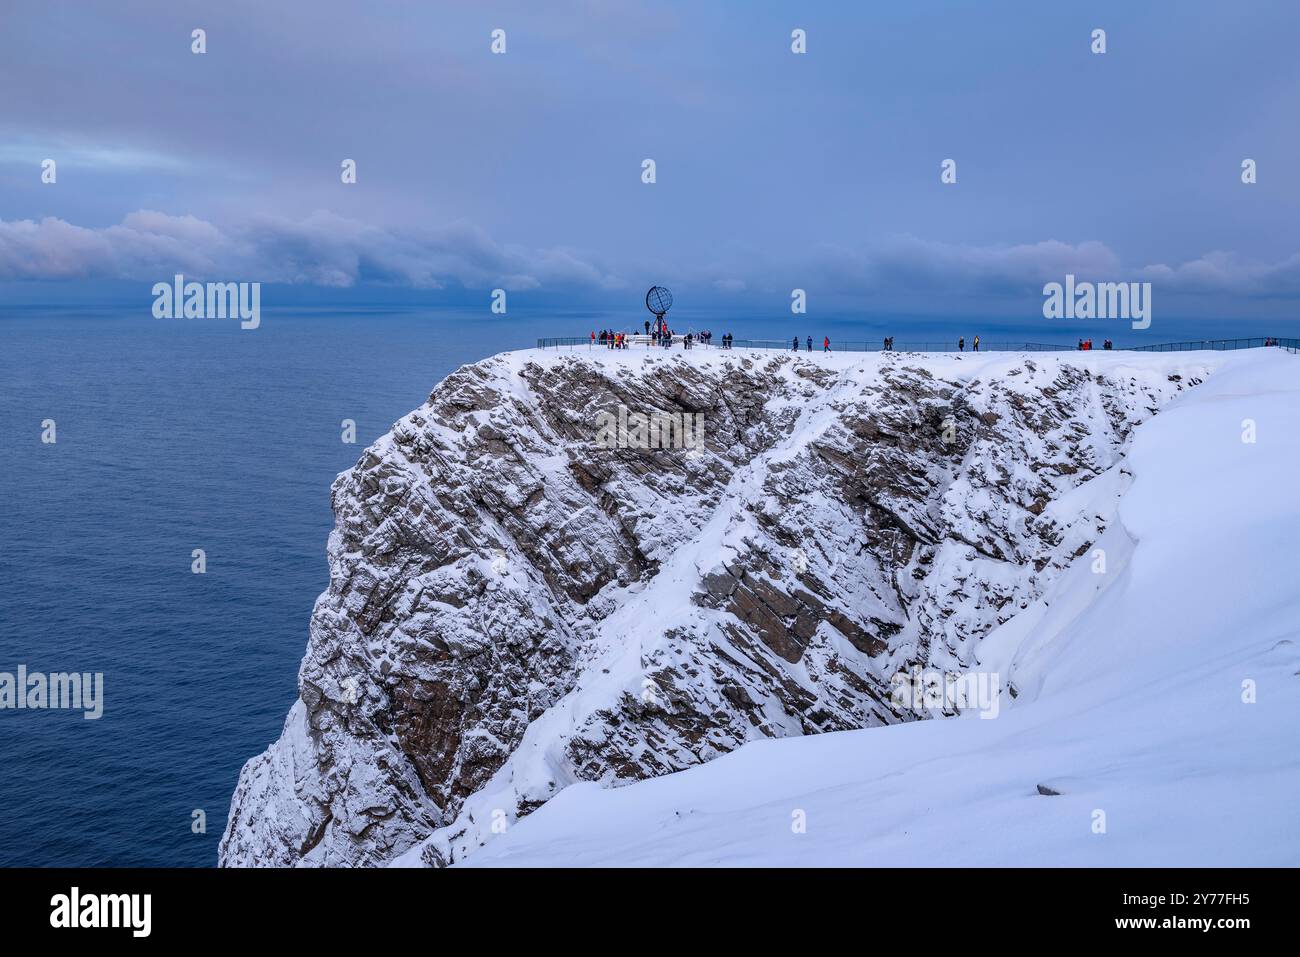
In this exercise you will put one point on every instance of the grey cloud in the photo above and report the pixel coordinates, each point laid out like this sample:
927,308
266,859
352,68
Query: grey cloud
908,262
323,249
328,250
1228,272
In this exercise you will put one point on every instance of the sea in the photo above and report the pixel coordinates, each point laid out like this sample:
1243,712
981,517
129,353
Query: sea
171,436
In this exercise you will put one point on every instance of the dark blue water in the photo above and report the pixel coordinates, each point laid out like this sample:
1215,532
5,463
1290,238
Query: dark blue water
173,436
177,435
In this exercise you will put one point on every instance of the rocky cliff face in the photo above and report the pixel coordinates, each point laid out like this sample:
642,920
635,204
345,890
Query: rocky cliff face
514,606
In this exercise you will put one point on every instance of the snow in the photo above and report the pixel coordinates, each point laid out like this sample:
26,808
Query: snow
1129,683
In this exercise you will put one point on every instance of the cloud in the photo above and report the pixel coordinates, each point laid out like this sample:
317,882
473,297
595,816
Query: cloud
1227,272
910,263
322,250
71,154
331,251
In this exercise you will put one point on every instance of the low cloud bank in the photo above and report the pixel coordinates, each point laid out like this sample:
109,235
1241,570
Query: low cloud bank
331,251
321,250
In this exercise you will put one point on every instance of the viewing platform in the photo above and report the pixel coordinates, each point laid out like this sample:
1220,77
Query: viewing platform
640,341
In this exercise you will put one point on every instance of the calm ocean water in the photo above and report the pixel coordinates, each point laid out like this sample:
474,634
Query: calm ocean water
176,435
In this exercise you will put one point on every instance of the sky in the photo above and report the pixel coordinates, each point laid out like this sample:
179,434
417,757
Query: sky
774,170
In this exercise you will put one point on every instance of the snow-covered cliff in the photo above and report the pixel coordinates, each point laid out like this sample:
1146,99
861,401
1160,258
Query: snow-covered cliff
1157,722
514,606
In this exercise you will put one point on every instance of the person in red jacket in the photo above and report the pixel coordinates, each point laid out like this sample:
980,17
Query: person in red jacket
826,343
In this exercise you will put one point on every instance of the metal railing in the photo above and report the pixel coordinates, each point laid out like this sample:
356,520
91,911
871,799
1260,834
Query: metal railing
562,341
785,345
1195,345
856,346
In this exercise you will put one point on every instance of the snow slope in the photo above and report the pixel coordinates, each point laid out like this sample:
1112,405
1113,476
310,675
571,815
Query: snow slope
1129,686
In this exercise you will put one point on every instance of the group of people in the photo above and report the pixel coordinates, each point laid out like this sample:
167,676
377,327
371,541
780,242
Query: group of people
705,337
611,340
826,344
661,336
961,343
1085,345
